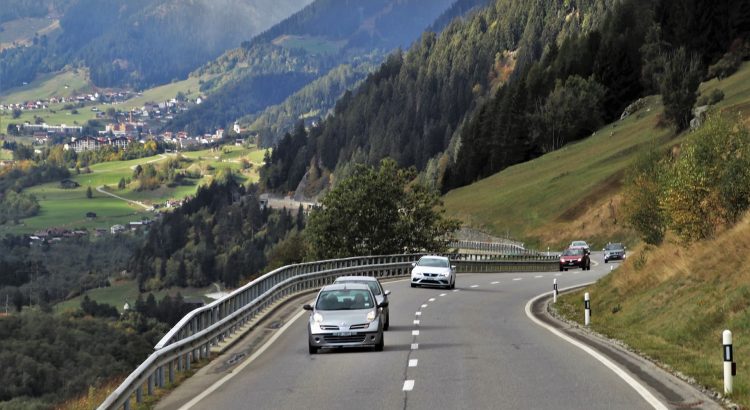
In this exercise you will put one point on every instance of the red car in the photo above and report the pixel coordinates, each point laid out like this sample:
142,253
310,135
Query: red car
575,258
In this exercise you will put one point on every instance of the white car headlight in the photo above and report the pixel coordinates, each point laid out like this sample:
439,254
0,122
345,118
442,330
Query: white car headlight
579,259
371,316
317,318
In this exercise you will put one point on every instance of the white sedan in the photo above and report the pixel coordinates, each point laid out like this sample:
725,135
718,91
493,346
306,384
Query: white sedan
433,270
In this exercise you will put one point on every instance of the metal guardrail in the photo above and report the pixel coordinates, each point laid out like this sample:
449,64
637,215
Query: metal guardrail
192,337
509,247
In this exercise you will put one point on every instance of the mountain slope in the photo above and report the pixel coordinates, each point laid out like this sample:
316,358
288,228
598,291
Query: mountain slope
306,46
575,192
140,43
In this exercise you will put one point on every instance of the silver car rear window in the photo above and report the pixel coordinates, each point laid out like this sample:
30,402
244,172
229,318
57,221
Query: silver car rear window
344,299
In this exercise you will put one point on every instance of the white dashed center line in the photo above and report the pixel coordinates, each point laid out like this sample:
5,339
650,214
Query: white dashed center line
431,299
495,282
474,286
424,306
558,274
418,314
416,322
413,362
456,290
517,278
538,276
414,346
408,385
443,294
415,332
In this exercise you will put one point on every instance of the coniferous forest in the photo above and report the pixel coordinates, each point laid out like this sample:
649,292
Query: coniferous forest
510,83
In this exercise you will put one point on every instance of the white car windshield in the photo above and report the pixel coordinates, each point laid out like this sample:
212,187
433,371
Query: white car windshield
433,262
344,299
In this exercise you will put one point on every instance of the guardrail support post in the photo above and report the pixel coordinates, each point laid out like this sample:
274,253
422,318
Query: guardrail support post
150,385
161,377
139,395
126,405
171,372
730,368
587,309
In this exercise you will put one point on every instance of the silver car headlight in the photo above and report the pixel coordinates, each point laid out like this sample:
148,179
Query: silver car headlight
318,318
371,316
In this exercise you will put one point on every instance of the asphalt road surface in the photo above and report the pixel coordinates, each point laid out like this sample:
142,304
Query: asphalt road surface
472,348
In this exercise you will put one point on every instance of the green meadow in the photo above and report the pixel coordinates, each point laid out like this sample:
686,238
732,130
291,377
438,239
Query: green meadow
67,208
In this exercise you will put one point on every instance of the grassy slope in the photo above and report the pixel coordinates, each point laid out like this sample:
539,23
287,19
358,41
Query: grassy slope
670,303
574,192
122,291
67,207
21,31
190,87
50,85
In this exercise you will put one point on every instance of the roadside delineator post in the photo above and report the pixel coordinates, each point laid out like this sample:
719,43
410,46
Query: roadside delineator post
730,368
554,291
586,309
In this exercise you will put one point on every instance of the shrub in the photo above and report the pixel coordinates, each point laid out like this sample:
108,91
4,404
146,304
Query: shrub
716,96
726,66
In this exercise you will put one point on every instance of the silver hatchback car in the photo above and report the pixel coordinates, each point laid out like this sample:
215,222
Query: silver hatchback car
345,315
381,295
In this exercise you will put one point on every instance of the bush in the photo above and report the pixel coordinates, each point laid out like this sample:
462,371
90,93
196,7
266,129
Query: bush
716,96
726,66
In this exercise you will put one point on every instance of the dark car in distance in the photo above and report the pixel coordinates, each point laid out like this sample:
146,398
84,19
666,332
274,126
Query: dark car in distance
613,250
575,258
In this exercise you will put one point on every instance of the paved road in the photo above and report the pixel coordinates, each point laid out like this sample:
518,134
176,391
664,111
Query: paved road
473,348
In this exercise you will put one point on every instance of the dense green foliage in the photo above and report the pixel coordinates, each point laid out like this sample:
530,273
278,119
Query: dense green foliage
118,40
315,99
679,87
221,234
16,206
45,359
49,273
514,81
704,187
376,211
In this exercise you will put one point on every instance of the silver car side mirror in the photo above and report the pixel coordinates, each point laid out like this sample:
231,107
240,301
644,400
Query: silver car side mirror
414,264
387,292
453,266
307,307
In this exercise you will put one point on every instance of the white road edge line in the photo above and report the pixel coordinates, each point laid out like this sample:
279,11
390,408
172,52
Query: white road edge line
413,362
254,356
638,387
408,385
246,363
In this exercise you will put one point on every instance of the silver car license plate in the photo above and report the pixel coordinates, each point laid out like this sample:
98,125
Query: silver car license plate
343,334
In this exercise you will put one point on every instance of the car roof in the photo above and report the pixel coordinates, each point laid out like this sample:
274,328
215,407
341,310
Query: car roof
578,242
355,278
342,286
434,257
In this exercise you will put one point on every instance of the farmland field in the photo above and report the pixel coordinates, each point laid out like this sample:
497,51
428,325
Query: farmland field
68,207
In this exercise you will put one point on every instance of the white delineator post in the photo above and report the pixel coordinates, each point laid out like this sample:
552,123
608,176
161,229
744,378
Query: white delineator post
729,369
554,291
586,309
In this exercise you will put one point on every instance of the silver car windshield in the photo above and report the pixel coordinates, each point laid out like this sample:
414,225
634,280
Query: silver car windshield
614,246
374,286
433,263
345,299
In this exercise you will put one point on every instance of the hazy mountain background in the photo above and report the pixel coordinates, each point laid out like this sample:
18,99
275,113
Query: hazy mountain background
127,43
306,46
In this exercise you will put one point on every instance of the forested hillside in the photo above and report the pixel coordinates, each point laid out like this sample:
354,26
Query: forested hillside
306,46
516,80
119,40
